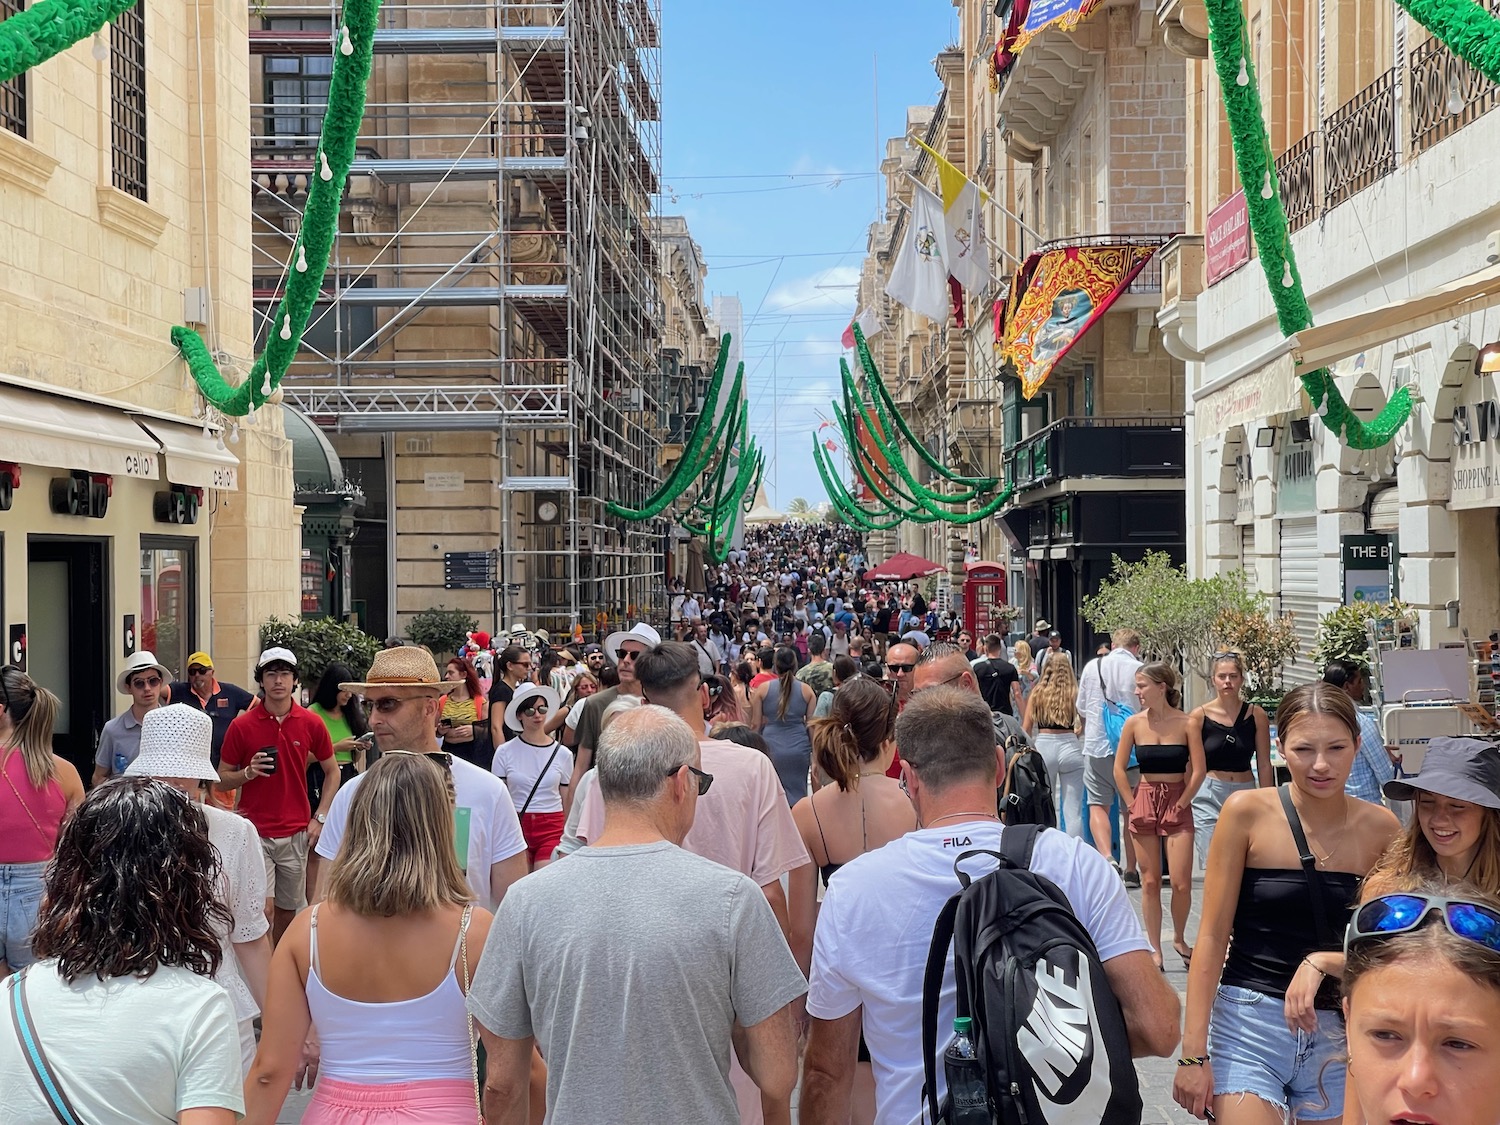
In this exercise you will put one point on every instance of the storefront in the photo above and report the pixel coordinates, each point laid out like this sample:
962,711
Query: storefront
1297,513
1474,501
104,521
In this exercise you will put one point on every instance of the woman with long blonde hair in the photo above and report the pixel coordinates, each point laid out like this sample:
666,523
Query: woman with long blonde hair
371,965
37,790
1051,716
1021,657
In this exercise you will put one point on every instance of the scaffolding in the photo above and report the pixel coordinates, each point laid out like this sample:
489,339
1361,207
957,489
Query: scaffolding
495,269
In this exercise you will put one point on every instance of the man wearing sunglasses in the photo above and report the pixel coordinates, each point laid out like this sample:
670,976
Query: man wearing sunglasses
120,740
202,689
622,647
634,936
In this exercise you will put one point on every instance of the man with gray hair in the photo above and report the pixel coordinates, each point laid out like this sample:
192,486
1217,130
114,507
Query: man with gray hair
635,941
888,900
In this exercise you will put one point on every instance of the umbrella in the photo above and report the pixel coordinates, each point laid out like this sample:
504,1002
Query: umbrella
902,567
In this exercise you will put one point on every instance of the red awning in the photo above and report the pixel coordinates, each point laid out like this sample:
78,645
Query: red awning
902,567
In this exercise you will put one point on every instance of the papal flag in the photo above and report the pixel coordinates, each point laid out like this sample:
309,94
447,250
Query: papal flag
920,278
963,225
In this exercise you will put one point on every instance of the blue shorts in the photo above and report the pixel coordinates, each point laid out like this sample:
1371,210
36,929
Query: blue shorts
20,901
1254,1053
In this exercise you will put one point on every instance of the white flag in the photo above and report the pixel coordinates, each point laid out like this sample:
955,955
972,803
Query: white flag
920,278
968,256
869,324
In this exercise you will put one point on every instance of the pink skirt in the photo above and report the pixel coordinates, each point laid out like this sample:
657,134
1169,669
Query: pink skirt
434,1101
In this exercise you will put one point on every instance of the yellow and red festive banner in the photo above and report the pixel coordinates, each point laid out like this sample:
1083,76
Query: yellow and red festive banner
1042,14
1068,290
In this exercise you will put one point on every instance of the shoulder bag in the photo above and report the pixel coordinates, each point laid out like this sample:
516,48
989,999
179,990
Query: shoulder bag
36,1057
556,746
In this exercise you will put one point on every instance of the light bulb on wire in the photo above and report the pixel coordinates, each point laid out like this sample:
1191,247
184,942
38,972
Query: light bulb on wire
286,327
100,48
1267,189
1287,280
1455,104
1243,78
346,46
301,258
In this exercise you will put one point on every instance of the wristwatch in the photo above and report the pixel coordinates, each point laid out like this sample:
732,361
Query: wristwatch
321,818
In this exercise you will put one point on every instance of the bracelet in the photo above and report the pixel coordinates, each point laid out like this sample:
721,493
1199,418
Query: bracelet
1308,961
1199,1060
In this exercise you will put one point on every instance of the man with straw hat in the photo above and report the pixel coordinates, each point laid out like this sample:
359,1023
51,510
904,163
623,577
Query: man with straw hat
176,748
405,696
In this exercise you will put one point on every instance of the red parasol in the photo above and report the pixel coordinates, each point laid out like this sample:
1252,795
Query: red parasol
902,567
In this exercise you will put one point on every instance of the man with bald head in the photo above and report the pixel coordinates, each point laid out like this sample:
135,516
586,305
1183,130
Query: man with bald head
900,667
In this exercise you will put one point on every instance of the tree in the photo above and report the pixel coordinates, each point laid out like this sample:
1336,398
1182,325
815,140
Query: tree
1266,644
800,509
1344,633
444,631
317,642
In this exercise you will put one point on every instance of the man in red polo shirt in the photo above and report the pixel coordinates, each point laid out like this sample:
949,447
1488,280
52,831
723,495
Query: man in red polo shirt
267,751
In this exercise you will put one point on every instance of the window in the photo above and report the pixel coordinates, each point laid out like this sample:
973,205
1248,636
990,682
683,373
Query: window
327,336
13,93
127,101
169,596
296,88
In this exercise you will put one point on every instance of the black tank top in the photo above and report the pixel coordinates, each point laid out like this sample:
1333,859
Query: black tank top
1275,927
1164,757
1230,748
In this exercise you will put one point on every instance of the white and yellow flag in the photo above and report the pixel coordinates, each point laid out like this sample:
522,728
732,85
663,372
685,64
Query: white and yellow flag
919,279
964,247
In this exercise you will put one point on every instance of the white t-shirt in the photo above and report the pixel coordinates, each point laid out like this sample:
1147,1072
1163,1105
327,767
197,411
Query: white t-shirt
875,926
1117,667
521,765
125,1049
485,818
575,713
244,877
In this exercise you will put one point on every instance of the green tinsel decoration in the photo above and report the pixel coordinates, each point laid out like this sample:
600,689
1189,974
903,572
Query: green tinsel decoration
839,497
1268,222
1467,29
35,34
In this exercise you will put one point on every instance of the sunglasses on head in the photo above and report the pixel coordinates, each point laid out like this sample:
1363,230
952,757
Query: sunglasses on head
437,757
1389,915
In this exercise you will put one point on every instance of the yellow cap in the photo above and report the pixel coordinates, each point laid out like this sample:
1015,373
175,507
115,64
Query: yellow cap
201,658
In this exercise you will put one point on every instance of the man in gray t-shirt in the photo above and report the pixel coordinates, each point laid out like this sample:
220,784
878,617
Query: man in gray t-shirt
635,965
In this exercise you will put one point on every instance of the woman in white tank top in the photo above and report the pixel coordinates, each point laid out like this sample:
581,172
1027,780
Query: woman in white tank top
380,967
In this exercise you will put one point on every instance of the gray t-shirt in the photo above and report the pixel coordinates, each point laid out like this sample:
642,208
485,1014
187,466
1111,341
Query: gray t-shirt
646,945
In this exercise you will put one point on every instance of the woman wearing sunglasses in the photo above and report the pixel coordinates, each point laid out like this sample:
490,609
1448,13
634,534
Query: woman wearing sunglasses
1422,1001
537,769
1284,872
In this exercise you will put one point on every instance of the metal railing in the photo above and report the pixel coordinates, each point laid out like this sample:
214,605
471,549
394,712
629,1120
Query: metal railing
1361,143
1147,281
1297,173
1126,446
1446,94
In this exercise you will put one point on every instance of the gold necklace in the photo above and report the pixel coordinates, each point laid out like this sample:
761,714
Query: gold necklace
1336,847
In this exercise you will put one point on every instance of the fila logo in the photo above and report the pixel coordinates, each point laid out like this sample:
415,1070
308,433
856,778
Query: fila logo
1060,1042
957,842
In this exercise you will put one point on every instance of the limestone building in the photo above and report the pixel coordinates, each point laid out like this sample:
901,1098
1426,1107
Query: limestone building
124,523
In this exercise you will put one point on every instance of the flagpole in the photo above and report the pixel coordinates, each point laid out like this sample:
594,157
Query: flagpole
984,195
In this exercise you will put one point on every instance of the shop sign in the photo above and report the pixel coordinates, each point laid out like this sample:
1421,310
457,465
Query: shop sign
1367,568
1297,484
1476,451
1227,239
1271,390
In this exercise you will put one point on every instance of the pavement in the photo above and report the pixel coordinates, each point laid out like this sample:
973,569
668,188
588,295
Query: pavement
1156,1074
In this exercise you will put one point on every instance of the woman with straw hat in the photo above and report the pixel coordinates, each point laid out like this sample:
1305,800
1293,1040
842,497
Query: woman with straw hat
176,748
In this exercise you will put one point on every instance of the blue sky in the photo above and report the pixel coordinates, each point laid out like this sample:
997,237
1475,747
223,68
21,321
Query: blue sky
763,105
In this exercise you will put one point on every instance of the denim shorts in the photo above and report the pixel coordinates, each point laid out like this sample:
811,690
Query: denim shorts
1254,1053
20,901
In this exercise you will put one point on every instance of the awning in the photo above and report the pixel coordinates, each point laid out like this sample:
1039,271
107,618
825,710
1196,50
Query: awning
1322,344
192,459
64,433
1262,393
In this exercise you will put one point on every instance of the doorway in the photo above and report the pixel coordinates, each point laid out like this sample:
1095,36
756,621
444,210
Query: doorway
68,639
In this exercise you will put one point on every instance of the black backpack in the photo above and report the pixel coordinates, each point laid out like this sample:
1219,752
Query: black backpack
1047,1027
1026,796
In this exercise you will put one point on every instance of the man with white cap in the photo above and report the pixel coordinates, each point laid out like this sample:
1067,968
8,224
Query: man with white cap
265,755
405,696
622,647
120,740
176,744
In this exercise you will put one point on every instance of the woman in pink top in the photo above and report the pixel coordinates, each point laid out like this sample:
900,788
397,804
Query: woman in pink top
36,792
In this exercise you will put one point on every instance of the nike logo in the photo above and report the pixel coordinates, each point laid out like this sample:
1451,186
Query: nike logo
1058,1042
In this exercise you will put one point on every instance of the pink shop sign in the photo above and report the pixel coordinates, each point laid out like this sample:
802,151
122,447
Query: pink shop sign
1227,239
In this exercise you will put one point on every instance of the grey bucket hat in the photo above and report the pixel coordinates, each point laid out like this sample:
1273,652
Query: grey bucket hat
1465,769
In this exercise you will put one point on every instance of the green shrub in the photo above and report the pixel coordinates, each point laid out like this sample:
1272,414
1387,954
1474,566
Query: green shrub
318,642
1344,633
444,631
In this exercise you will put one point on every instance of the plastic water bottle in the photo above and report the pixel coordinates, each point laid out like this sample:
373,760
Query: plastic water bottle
121,763
968,1097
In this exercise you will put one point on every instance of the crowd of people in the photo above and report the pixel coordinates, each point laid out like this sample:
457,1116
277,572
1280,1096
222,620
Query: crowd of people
656,877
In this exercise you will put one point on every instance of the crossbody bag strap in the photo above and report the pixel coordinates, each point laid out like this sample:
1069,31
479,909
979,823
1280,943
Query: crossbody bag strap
555,748
1309,868
1099,671
36,1058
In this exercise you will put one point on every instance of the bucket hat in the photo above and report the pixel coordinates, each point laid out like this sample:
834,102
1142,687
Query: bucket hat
176,741
407,671
1465,769
139,662
1043,625
524,694
639,632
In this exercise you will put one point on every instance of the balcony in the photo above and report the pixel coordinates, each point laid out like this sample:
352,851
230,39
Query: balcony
1362,141
1446,94
1297,173
1041,88
1110,448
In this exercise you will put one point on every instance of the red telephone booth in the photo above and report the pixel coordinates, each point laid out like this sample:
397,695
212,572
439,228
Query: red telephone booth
984,595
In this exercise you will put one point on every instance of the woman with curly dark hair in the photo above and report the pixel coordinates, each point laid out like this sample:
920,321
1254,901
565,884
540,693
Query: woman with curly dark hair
120,1007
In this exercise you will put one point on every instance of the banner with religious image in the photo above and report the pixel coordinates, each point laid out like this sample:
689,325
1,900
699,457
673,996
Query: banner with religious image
1069,289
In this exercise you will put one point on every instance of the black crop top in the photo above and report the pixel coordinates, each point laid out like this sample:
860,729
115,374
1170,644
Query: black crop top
1163,757
1229,749
1275,928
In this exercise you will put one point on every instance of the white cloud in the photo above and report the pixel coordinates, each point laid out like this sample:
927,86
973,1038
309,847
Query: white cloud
826,291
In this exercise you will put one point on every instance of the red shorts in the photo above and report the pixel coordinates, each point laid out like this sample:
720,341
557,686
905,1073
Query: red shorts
1154,811
543,832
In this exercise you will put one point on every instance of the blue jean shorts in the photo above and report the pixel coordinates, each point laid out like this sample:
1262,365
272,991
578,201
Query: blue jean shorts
1254,1053
20,901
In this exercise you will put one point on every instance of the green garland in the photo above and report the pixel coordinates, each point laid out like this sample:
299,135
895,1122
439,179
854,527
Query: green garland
1466,28
1268,223
35,34
846,505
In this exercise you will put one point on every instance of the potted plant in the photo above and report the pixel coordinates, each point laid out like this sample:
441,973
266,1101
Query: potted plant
1344,633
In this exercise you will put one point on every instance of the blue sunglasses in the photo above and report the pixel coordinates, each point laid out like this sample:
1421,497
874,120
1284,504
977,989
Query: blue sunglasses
1399,914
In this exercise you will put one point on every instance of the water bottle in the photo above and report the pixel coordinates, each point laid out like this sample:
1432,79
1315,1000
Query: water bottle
968,1098
121,761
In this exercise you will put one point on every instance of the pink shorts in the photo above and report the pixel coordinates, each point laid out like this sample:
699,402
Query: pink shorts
433,1101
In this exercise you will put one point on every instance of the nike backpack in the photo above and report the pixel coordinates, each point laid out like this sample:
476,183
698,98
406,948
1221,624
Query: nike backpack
1026,796
1046,1025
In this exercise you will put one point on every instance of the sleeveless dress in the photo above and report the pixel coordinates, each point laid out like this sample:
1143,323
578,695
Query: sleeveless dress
788,738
